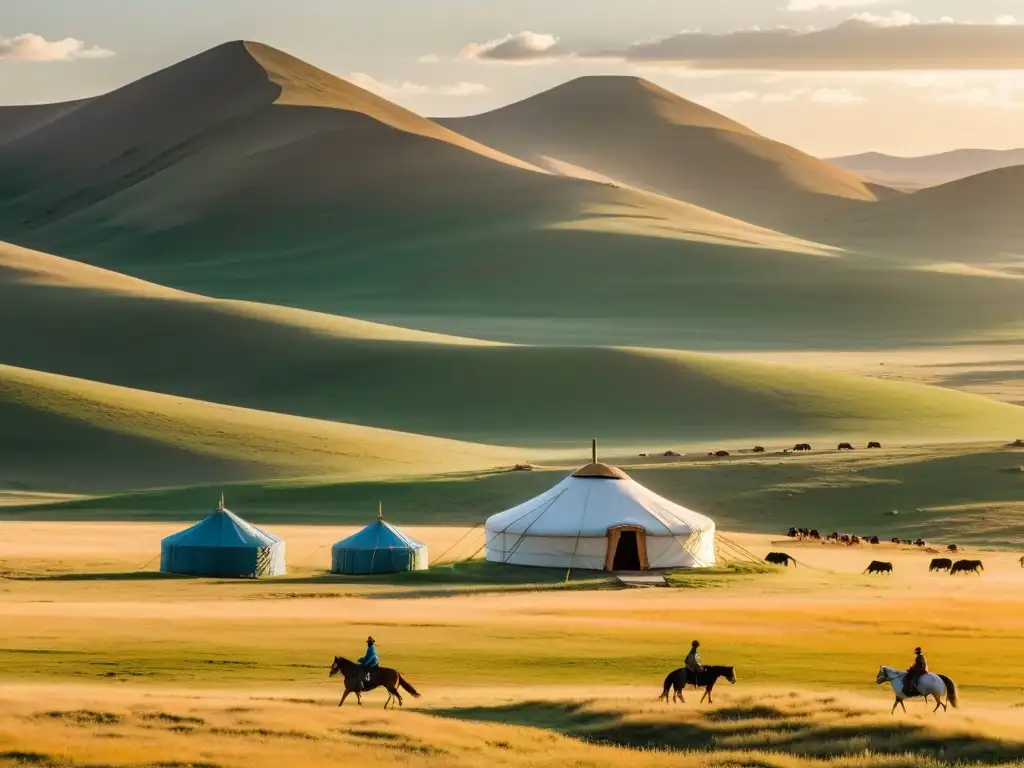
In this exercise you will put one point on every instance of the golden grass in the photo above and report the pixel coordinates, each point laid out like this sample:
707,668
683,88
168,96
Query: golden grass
104,665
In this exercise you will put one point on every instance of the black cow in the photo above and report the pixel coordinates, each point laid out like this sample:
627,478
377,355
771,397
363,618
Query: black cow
758,449
793,533
874,444
813,534
895,541
920,543
845,447
940,564
873,540
780,558
967,566
877,566
952,548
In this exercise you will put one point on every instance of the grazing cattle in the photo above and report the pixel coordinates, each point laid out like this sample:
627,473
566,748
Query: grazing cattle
854,540
874,444
670,453
813,534
920,543
877,566
895,541
940,564
967,566
1022,562
907,542
780,558
793,533
952,548
758,449
721,454
643,455
873,540
805,531
834,536
845,447
802,447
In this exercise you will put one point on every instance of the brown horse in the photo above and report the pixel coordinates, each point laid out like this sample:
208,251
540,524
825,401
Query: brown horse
380,677
680,678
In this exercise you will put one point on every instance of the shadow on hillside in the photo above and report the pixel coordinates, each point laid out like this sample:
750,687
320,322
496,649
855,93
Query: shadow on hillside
819,729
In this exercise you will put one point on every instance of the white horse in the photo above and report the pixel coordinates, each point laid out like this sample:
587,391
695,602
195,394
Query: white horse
927,685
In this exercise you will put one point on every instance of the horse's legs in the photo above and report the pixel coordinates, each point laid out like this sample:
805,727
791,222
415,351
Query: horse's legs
894,705
344,696
398,696
902,704
359,699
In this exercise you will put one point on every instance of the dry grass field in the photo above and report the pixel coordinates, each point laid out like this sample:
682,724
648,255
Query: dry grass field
105,662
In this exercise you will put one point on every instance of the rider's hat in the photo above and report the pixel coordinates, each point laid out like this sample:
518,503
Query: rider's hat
917,650
696,643
369,640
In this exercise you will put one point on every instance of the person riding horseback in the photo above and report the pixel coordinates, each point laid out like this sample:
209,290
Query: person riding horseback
367,663
919,668
692,663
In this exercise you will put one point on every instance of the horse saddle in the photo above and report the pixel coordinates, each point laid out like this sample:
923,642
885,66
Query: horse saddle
691,677
910,687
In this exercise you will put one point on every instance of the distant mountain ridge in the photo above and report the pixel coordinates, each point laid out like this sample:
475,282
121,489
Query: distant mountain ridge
929,170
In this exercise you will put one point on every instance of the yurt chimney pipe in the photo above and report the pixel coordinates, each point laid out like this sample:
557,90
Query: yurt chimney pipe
380,510
593,451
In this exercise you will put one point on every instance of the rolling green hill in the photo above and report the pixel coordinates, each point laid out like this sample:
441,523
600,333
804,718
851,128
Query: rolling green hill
66,434
76,320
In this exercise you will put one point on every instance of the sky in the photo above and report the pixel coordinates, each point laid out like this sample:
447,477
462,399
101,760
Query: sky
831,77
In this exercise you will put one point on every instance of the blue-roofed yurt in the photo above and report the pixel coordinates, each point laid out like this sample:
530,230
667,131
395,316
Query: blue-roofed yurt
225,546
378,548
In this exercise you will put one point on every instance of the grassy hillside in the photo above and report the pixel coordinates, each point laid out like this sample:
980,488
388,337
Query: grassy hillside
222,175
974,220
68,434
72,319
631,130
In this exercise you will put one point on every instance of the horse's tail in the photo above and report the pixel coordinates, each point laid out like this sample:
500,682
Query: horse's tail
950,691
668,685
407,686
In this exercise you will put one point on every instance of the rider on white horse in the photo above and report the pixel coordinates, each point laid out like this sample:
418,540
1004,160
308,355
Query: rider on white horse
917,669
926,684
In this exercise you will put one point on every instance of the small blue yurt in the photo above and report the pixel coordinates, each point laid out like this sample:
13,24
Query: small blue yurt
378,548
224,546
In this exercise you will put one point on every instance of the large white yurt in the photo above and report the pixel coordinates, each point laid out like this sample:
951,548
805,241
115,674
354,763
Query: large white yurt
599,518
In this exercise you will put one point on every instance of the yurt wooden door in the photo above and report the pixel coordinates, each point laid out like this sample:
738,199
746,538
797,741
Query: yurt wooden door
627,549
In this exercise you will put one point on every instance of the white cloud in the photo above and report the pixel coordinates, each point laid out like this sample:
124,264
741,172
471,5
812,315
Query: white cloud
1006,20
863,43
428,58
408,88
836,96
831,96
29,47
518,48
894,19
830,5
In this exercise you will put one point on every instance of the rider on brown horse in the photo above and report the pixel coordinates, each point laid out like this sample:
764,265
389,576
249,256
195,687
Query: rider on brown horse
919,668
692,663
367,663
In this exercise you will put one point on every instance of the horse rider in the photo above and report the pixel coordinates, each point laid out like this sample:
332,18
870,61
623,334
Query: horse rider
367,663
692,662
919,668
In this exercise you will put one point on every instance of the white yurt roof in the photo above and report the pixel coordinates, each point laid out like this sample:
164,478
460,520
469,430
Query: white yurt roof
594,499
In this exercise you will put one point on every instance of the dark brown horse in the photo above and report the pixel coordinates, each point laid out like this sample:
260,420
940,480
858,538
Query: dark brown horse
380,677
680,678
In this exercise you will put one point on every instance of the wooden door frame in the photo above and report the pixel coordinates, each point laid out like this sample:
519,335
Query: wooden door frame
615,533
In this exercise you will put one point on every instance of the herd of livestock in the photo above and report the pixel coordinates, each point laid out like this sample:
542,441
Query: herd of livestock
938,564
